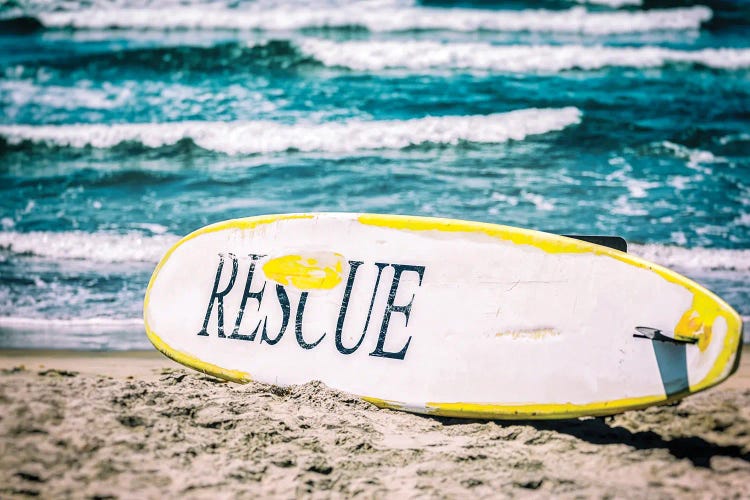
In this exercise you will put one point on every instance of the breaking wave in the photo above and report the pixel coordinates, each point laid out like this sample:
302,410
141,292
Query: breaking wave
97,324
56,96
388,19
361,55
140,247
423,55
79,245
256,137
698,259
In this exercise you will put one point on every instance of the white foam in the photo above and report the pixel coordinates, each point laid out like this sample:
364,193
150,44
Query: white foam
699,259
728,139
97,324
680,182
614,4
742,220
339,137
539,201
382,19
136,247
98,247
697,159
638,188
424,55
22,92
623,206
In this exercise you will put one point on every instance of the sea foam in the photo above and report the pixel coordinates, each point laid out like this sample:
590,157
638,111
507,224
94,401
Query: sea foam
79,245
697,259
97,324
96,333
614,4
382,19
424,55
255,137
139,247
22,92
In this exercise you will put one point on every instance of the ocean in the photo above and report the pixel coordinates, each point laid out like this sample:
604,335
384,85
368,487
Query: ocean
126,124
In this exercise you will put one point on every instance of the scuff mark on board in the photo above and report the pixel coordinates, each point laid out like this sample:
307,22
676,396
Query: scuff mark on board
529,333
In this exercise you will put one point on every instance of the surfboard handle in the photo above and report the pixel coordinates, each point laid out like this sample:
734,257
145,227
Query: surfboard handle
614,242
645,332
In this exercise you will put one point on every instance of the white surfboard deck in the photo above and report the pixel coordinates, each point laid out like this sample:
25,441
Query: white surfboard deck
437,316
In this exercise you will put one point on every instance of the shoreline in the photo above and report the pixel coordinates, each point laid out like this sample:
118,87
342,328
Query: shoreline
144,361
141,363
135,423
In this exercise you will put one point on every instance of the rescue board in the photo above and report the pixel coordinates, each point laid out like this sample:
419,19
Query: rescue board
438,316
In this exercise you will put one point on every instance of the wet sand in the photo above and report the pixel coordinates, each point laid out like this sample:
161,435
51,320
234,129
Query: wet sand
136,424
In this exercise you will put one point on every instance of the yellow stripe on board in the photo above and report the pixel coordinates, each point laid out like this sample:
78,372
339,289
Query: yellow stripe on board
191,361
546,411
530,411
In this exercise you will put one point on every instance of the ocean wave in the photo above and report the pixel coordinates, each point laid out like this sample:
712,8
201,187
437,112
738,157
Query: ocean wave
423,55
23,92
257,137
360,55
98,324
695,159
614,4
141,247
694,259
389,19
79,245
274,54
96,333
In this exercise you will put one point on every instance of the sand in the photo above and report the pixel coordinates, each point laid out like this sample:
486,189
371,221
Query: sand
137,425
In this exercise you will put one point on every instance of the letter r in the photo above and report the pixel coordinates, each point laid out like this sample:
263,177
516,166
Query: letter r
218,296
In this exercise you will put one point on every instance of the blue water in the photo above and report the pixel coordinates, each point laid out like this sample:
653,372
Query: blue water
124,125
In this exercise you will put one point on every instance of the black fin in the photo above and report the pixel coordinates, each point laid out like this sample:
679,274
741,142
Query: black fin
645,332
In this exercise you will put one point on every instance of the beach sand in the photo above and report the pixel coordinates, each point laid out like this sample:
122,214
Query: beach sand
136,424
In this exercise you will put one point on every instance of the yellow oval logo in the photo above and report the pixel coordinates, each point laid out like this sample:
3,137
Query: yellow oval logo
309,271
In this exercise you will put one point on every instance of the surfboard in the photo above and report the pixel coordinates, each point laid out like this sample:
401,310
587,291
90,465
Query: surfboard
438,316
